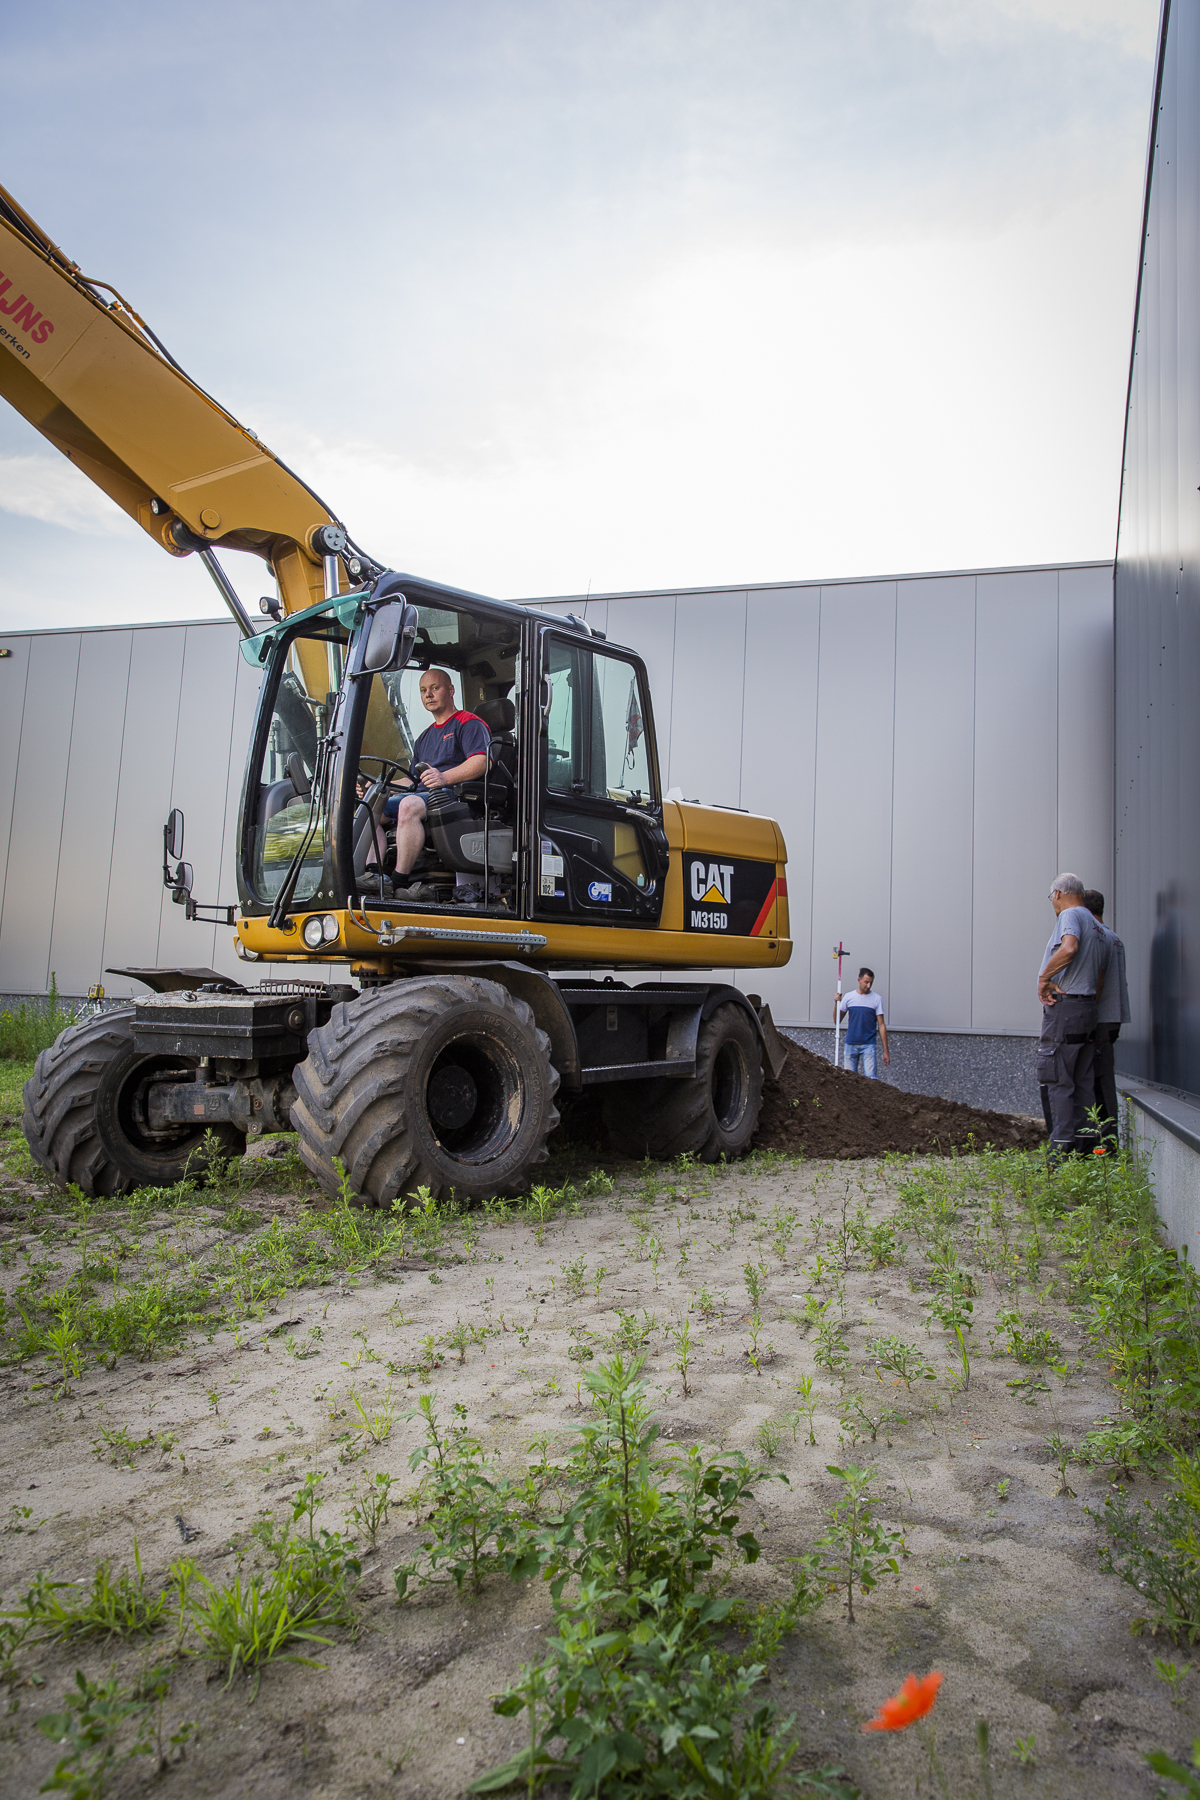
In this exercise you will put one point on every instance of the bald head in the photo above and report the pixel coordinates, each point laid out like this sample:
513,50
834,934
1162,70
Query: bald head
437,694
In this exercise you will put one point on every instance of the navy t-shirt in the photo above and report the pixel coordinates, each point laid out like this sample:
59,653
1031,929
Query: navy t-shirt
861,1011
445,746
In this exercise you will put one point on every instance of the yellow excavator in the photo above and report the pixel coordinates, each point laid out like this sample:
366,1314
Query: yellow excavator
437,1062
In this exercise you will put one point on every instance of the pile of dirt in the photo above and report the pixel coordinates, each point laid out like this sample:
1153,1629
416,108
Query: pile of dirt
828,1112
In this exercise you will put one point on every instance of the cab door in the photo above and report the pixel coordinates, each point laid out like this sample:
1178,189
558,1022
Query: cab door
601,852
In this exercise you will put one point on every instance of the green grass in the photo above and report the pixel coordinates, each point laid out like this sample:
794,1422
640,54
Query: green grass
14,1073
33,1027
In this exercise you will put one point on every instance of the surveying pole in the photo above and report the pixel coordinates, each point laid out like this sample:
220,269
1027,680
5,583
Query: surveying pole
839,951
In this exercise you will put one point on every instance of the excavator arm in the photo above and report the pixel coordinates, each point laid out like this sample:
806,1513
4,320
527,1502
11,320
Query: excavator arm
90,375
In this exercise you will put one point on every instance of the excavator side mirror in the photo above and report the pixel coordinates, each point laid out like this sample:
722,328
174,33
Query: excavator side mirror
181,884
173,834
389,638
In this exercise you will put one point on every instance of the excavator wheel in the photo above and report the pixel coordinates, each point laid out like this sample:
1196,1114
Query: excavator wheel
85,1112
710,1116
442,1082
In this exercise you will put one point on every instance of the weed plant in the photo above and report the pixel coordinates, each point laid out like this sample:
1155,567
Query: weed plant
635,1696
33,1026
89,1729
65,1611
856,1548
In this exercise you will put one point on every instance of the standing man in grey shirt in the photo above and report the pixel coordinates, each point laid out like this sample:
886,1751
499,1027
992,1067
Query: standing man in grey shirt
1067,981
1112,1011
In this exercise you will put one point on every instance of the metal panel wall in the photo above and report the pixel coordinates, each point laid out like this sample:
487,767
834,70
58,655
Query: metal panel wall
101,732
1016,793
40,783
932,806
852,824
779,757
1157,598
936,748
85,863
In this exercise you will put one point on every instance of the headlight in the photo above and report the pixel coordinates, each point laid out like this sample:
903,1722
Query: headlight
244,951
330,927
314,932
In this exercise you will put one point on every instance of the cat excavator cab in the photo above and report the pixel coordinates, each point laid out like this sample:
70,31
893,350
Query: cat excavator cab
539,947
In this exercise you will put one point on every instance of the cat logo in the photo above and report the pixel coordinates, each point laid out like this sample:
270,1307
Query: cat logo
712,883
735,897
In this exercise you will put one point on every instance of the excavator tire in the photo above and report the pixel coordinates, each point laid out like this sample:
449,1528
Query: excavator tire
441,1082
712,1115
85,1119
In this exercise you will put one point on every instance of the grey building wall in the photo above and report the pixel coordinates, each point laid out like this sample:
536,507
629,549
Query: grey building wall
936,748
1157,589
101,733
1157,650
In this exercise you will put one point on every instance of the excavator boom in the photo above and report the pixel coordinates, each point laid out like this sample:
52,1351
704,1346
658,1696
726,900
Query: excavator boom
90,375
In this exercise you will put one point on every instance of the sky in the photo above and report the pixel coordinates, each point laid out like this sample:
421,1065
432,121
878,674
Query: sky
557,296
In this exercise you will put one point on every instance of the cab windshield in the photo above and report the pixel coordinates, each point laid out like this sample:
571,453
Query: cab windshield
292,801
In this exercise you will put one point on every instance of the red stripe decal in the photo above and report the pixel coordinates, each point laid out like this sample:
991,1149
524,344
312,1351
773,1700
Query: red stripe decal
767,904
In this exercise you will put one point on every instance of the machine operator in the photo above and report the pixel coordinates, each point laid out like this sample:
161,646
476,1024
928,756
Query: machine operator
453,750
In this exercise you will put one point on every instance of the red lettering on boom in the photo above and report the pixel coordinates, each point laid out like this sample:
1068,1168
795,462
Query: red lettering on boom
26,318
11,305
43,332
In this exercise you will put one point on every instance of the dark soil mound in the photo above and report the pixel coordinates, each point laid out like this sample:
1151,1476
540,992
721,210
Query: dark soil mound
828,1112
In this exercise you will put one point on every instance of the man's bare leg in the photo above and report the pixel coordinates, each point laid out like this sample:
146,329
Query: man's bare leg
410,834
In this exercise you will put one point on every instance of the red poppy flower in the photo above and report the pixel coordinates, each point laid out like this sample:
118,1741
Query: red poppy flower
1099,1150
914,1700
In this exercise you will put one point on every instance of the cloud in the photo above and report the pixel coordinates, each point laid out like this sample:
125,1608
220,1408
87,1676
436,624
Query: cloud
1129,24
53,491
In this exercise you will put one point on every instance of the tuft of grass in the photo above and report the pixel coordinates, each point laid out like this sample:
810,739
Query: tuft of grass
33,1026
251,1623
70,1610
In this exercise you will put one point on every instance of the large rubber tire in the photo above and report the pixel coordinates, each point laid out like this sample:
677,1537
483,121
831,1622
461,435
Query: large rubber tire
84,1116
443,1081
713,1115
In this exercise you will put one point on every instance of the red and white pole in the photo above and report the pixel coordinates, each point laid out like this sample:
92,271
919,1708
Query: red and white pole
838,953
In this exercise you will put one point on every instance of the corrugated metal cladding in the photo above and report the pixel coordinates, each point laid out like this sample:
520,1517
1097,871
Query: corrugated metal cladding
1157,607
935,748
101,733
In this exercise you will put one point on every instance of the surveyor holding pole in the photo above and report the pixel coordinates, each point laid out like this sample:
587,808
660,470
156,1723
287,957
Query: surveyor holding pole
863,1012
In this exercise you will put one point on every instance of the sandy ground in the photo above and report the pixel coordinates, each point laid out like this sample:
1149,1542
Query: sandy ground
1003,1594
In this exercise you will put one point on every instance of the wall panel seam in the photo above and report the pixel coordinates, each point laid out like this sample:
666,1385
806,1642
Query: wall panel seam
162,899
741,740
112,841
16,777
812,849
891,894
62,817
974,794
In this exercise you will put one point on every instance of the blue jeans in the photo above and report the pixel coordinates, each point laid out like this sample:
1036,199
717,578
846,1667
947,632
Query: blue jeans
860,1059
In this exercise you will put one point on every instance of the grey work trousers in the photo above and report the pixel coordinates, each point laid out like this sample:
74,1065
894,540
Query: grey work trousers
1104,1083
1064,1064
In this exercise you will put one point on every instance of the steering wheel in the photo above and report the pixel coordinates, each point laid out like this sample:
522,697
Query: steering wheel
387,771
